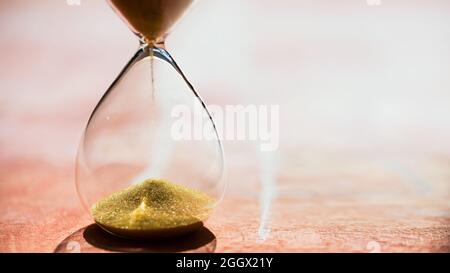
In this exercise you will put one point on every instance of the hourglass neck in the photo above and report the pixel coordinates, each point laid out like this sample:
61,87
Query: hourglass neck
157,43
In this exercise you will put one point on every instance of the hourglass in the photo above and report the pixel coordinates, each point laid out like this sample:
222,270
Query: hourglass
134,175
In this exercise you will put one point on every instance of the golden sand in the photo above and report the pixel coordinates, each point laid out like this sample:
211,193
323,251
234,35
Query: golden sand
153,209
151,19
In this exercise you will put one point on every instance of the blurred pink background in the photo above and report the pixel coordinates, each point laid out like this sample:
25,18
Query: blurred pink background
364,95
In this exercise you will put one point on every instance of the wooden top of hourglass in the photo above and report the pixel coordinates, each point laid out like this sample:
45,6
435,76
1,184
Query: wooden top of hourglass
150,19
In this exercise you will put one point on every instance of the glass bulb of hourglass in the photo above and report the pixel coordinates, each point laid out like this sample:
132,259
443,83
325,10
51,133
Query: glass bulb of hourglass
143,170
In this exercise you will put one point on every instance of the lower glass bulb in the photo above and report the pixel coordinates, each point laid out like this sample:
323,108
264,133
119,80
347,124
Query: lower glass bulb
143,168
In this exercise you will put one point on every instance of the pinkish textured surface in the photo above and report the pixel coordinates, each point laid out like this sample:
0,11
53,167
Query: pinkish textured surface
364,159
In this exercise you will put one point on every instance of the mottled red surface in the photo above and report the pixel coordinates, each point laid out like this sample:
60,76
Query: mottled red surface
364,159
